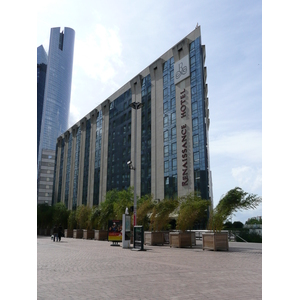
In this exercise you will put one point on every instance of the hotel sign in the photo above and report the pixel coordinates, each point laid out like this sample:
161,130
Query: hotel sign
182,69
184,151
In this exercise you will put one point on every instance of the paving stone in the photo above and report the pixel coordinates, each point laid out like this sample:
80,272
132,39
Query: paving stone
89,269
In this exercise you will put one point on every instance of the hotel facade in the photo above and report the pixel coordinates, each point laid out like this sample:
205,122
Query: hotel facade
167,105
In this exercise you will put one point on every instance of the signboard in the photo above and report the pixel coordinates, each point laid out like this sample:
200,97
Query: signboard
115,230
182,69
138,238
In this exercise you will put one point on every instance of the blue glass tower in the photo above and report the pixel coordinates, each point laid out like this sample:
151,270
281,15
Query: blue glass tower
42,59
57,95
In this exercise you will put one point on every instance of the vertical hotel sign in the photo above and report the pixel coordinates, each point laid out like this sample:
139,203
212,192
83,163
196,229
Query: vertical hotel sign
182,71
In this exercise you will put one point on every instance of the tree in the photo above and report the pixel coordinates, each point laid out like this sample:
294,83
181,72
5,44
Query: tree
94,217
160,214
44,216
82,216
72,223
145,206
60,214
192,208
123,199
106,213
234,200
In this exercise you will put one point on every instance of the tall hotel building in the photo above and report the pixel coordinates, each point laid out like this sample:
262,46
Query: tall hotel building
172,153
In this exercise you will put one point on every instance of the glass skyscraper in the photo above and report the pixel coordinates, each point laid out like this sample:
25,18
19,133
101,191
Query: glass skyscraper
172,148
41,80
53,111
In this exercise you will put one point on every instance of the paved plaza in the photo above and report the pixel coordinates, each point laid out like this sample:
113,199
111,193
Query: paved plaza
90,269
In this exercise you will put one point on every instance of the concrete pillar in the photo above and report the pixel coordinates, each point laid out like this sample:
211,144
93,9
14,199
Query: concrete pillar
81,161
93,119
136,91
71,185
157,144
104,150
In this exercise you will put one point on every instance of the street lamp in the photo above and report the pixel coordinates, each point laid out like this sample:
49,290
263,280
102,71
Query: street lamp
135,106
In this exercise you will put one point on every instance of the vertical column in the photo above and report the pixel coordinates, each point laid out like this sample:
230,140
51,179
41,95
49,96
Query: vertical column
81,161
104,150
63,185
157,155
58,155
185,163
73,152
93,119
136,97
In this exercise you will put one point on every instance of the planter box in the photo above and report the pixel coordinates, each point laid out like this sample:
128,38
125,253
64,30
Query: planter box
154,238
100,235
68,233
181,239
88,234
77,233
215,241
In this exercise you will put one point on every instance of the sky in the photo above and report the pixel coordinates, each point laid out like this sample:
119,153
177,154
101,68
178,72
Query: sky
116,40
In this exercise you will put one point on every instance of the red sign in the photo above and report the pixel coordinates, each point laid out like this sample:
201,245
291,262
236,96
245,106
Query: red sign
115,230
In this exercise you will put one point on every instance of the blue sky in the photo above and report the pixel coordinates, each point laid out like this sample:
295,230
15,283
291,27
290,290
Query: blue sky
115,40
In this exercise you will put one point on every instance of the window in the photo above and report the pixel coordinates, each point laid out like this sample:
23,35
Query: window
166,150
195,123
174,164
193,61
165,79
192,46
195,140
174,148
173,118
166,166
173,133
166,119
172,75
172,88
196,157
166,135
194,90
194,107
166,106
173,103
193,75
165,92
165,66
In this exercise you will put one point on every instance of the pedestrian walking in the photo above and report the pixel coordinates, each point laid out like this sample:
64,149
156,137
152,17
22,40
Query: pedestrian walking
60,232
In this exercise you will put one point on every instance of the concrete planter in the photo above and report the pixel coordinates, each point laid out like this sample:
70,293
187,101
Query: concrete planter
181,239
100,235
68,233
88,234
154,238
215,241
77,233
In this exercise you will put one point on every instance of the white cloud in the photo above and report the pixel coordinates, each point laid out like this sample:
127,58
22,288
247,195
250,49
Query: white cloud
238,145
248,178
74,115
99,54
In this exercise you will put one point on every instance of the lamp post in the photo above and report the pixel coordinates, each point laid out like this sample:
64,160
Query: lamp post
135,106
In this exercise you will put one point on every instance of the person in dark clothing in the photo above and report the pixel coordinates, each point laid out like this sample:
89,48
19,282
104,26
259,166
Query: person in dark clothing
55,233
60,232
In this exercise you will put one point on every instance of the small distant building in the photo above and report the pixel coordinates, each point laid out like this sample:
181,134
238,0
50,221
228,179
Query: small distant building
45,178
